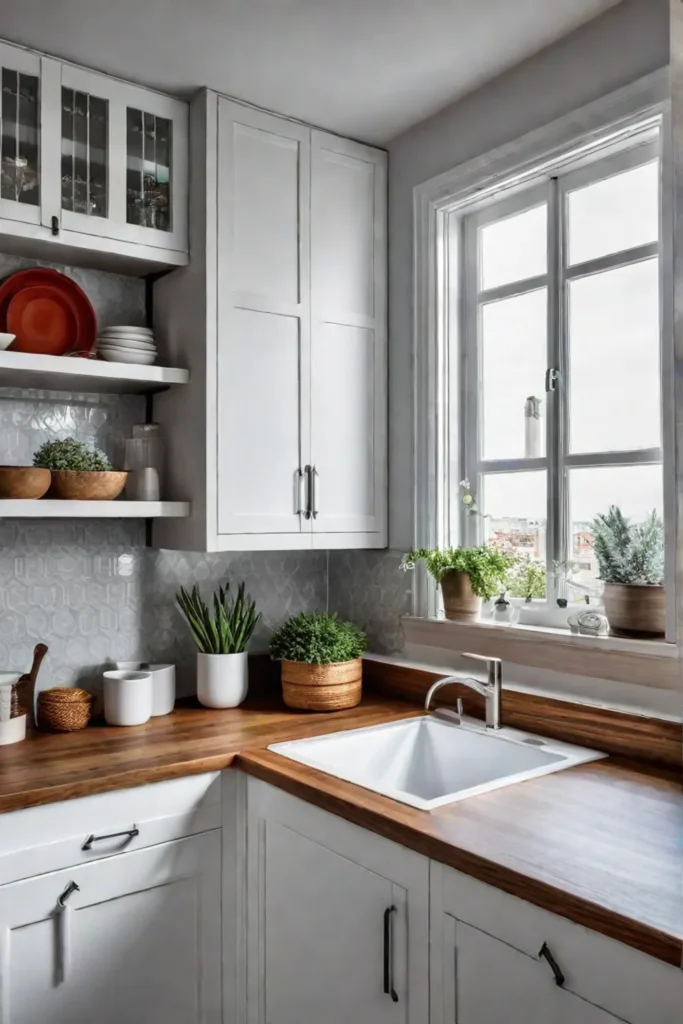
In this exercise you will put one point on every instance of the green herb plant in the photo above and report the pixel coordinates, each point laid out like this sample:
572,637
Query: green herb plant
226,625
629,553
71,455
527,579
317,639
487,567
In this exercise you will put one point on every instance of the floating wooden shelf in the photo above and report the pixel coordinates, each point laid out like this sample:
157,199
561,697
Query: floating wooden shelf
61,373
51,508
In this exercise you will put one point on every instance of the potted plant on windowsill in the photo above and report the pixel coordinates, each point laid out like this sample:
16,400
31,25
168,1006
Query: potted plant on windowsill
631,565
322,668
467,576
221,634
79,471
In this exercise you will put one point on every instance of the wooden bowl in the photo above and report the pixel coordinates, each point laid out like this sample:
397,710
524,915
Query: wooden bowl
23,481
73,485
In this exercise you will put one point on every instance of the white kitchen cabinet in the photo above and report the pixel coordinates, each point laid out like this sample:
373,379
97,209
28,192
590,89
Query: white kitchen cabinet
487,966
281,320
337,919
92,169
140,942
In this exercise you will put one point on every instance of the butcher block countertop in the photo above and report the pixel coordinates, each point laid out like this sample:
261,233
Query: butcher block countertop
600,844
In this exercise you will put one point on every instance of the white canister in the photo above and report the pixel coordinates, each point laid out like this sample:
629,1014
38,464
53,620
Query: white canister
222,679
163,689
127,697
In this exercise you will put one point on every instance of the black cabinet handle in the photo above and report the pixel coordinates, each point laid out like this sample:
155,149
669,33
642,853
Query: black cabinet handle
55,225
554,966
130,835
389,989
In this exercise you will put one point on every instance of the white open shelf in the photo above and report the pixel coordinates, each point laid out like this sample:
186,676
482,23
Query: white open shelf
54,508
62,373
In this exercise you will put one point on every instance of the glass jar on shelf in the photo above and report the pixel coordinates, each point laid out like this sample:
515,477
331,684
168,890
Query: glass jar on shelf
144,460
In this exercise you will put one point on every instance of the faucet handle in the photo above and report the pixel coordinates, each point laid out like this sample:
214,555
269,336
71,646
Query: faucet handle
482,657
459,707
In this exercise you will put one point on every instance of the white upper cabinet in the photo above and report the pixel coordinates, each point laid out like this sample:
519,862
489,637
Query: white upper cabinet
281,320
348,339
90,165
263,327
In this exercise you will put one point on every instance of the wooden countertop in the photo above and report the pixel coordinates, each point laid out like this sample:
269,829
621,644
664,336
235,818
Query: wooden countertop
600,844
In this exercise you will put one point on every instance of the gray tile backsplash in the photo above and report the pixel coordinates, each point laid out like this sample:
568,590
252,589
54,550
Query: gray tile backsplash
94,593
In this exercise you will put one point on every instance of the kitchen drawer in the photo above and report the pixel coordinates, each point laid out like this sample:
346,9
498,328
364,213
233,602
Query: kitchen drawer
52,837
616,977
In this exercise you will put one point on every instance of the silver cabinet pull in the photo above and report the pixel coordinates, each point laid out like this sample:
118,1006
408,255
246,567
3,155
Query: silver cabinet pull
388,971
128,836
302,509
313,500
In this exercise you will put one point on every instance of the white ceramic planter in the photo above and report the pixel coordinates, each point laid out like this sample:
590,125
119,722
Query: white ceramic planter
163,689
127,697
222,679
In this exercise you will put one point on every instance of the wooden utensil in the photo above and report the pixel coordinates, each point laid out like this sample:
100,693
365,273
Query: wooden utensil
26,686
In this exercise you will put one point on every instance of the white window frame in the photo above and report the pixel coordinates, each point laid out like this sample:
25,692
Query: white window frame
439,204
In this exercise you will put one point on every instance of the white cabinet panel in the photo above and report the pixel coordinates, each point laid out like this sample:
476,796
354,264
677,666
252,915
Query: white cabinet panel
259,439
348,341
140,943
319,893
265,253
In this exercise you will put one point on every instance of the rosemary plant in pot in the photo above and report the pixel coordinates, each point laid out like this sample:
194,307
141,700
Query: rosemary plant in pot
221,630
631,565
467,576
322,668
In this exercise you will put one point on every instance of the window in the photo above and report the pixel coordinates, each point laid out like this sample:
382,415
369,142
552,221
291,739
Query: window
554,338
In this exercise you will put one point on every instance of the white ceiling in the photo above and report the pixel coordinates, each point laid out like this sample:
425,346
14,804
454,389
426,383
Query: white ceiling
364,68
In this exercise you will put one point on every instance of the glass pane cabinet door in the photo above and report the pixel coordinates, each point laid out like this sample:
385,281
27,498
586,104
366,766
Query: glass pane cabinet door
84,168
148,170
20,139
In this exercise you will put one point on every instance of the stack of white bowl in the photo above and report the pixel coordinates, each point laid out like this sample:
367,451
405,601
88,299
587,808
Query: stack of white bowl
127,345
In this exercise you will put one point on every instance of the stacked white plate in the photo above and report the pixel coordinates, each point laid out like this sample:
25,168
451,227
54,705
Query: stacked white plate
127,345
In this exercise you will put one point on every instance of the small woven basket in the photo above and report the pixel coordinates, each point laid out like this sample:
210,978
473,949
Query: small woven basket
64,709
322,687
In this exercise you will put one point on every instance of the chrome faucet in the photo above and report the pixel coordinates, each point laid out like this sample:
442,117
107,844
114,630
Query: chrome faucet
492,689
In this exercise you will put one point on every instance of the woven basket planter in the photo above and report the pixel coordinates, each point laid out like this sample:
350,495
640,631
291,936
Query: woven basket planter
322,687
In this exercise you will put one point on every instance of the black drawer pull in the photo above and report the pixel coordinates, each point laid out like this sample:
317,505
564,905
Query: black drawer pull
130,835
554,966
389,989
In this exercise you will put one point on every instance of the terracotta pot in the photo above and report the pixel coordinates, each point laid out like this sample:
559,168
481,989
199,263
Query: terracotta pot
460,603
635,610
322,687
96,486
23,481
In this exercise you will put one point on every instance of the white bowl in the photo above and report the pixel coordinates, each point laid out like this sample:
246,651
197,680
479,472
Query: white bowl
6,340
136,346
126,356
126,330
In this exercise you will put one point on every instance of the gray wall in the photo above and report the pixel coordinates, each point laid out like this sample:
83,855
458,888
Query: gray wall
624,44
89,588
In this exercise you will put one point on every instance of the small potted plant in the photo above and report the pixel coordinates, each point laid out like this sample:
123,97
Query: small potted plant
527,579
631,565
79,471
467,576
222,633
322,668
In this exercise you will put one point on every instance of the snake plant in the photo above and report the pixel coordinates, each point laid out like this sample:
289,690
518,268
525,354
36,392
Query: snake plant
226,625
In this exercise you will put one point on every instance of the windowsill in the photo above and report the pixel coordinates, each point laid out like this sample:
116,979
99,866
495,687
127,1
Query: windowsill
646,662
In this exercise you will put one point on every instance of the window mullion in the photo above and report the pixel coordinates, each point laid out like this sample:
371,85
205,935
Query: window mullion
554,399
471,418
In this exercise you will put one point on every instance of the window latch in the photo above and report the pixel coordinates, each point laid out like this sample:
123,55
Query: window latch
552,378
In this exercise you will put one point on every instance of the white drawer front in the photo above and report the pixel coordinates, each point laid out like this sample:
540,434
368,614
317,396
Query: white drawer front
72,832
609,974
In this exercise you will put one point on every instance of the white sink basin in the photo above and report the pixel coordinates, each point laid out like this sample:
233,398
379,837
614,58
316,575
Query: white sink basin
430,761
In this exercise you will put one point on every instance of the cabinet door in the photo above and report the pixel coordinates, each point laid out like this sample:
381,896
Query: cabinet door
348,341
20,134
123,161
263,322
493,982
141,941
337,919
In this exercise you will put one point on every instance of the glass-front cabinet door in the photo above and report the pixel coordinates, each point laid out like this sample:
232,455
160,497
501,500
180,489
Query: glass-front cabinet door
123,161
20,135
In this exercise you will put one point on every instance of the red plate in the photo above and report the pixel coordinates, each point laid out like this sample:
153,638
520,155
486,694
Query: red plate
43,320
86,322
